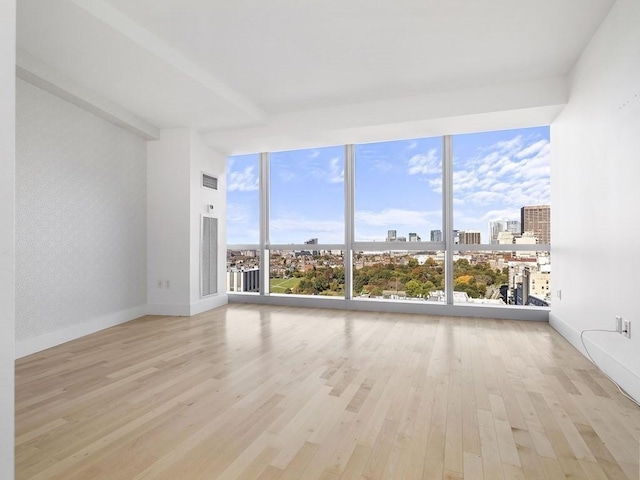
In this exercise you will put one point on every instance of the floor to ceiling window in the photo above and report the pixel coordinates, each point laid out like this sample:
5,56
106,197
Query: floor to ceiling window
243,224
454,220
306,222
397,252
501,215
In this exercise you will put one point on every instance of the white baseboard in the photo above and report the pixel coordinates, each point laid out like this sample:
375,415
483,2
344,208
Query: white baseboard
48,340
52,339
628,380
209,303
170,310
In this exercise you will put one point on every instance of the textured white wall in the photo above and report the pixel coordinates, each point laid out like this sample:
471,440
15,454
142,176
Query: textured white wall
168,222
7,242
596,194
80,216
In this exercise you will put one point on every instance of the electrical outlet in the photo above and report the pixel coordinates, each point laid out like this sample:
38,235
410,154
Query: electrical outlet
159,283
167,284
626,328
619,324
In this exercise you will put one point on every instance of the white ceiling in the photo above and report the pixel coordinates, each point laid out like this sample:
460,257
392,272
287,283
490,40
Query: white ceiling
254,74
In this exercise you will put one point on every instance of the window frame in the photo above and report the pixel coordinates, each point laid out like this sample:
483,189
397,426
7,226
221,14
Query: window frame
350,246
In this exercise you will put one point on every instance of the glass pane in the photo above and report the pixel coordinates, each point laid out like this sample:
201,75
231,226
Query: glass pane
307,272
399,275
243,200
502,278
398,192
243,270
502,186
307,196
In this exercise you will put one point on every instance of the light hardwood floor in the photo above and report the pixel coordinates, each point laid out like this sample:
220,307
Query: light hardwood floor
255,392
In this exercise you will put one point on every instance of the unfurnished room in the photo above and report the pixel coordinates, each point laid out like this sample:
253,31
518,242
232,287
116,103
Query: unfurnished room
319,240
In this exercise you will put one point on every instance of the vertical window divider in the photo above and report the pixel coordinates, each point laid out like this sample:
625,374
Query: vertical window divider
349,218
447,215
264,223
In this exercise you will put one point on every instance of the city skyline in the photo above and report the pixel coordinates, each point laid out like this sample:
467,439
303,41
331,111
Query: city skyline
398,187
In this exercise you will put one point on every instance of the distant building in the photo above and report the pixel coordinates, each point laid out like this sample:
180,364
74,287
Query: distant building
414,237
540,284
313,241
527,238
243,280
505,238
401,239
537,219
436,235
495,227
468,238
513,226
392,235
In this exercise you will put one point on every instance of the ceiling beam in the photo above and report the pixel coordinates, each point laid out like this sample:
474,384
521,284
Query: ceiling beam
123,24
42,76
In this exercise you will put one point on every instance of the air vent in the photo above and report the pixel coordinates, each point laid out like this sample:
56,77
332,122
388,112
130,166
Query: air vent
209,182
209,256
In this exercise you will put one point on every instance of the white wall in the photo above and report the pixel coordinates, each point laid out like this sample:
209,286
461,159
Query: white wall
205,160
80,222
176,202
168,227
596,194
7,240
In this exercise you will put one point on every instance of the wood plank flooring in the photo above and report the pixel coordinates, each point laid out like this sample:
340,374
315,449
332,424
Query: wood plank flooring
255,392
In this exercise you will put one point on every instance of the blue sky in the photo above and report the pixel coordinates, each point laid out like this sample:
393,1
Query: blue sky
398,186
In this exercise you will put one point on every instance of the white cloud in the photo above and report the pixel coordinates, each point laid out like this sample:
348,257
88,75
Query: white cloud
510,173
298,230
508,213
394,216
424,164
336,171
508,145
532,149
412,145
484,197
243,181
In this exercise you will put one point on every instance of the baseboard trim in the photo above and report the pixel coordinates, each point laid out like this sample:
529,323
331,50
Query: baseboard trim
170,310
52,339
628,380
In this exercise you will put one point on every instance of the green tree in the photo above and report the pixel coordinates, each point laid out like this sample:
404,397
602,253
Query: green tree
413,288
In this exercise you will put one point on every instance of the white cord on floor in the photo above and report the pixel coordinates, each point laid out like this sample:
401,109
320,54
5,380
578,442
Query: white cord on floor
603,372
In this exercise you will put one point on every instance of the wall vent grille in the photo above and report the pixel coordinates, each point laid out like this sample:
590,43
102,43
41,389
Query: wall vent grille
209,259
209,182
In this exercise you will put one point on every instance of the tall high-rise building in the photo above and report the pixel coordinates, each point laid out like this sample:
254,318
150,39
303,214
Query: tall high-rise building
414,237
537,219
436,235
495,227
513,226
392,235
